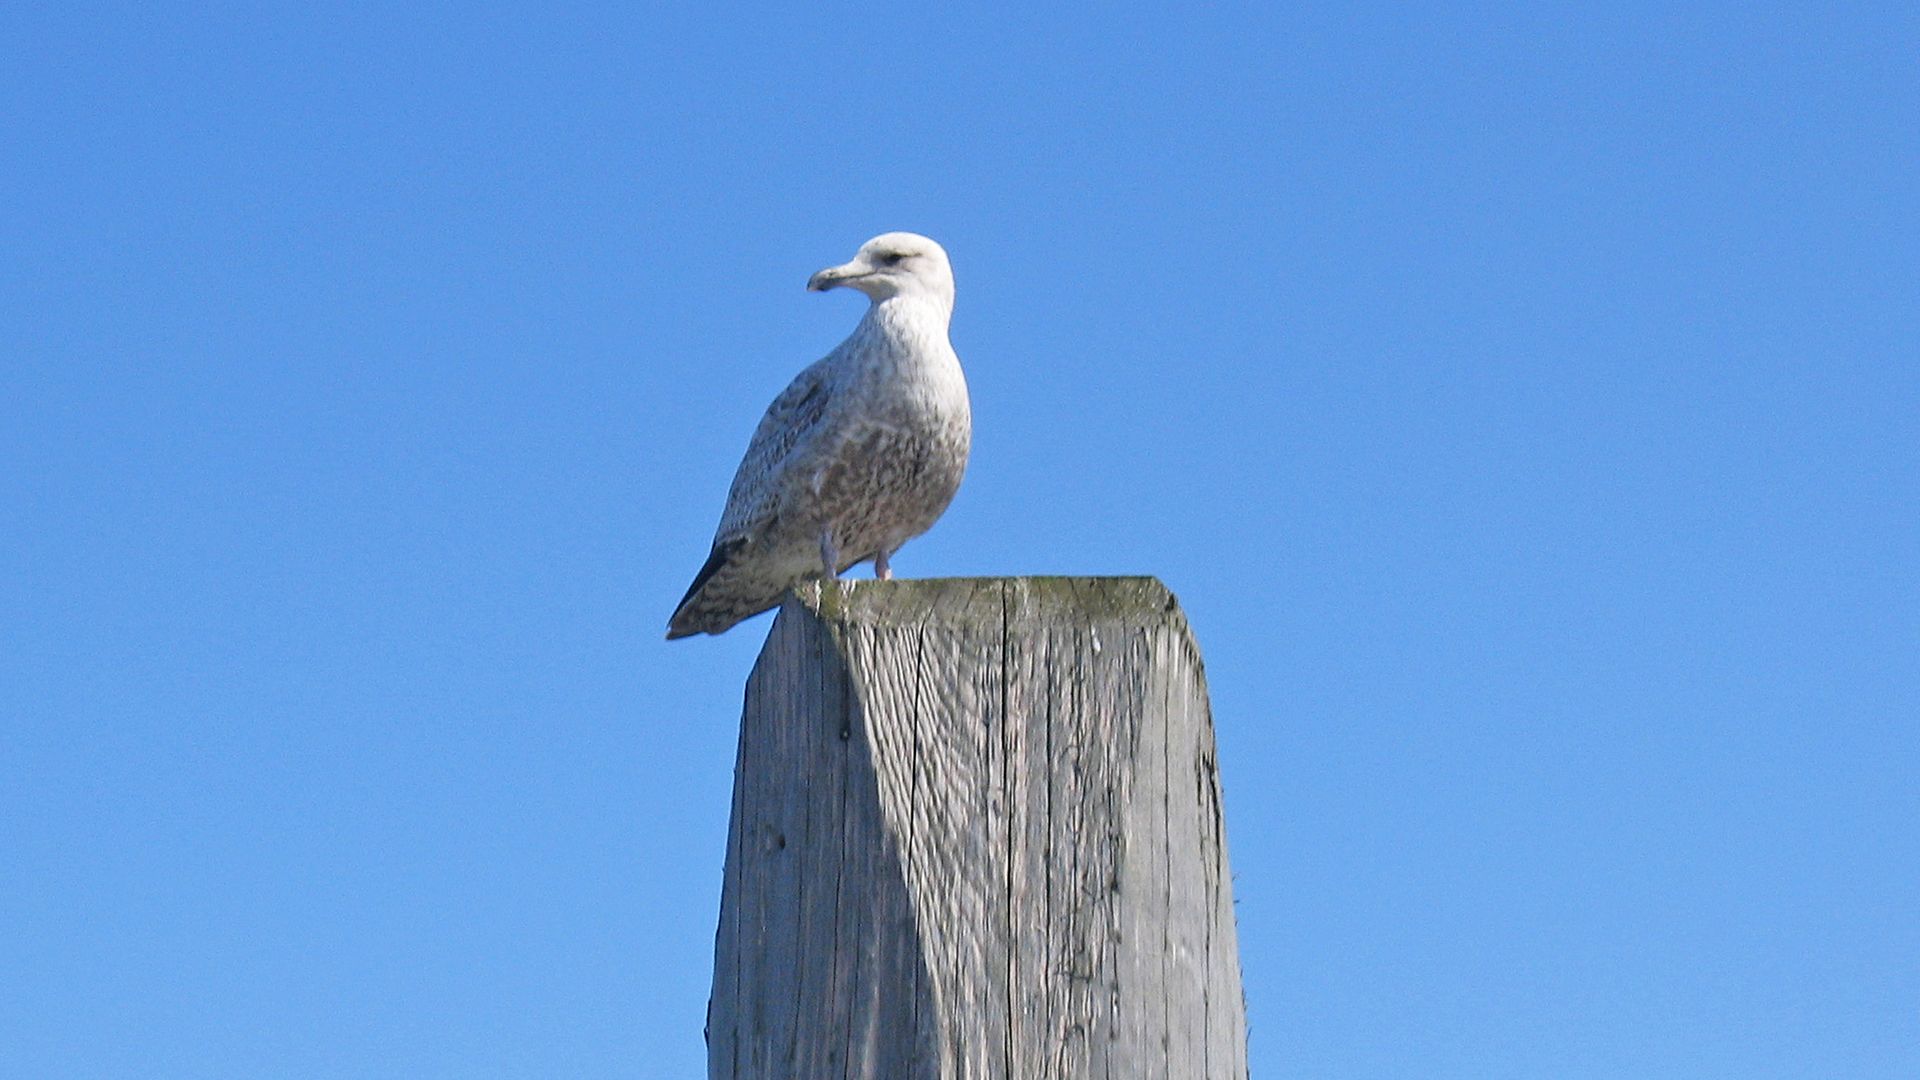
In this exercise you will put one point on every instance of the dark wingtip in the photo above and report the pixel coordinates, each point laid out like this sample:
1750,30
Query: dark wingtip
716,559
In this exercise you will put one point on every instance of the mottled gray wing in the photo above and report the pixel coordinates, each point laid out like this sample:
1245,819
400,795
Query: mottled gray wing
791,421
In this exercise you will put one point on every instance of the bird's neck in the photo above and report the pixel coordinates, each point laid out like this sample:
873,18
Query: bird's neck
910,318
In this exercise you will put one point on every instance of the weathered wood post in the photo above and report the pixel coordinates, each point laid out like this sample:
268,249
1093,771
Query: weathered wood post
977,833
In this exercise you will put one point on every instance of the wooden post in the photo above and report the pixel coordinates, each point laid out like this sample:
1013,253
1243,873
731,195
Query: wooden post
977,834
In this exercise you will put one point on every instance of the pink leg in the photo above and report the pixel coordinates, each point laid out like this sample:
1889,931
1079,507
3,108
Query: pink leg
829,556
880,568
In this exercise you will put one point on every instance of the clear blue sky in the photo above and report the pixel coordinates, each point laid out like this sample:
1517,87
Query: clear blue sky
1523,400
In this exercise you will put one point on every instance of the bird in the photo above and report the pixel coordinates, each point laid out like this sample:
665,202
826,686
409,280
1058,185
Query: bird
862,452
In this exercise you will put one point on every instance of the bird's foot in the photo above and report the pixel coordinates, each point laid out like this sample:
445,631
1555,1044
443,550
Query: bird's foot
829,555
881,569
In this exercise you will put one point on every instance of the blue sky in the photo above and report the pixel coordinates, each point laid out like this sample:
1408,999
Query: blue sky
1523,401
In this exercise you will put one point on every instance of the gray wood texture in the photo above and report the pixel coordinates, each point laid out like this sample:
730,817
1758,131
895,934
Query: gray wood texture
977,833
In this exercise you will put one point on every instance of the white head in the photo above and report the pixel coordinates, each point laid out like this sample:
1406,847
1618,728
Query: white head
893,264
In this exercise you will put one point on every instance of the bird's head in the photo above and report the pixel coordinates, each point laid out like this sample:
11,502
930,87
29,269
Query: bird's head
892,264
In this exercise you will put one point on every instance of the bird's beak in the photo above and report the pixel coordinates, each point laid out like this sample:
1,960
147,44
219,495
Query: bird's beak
834,276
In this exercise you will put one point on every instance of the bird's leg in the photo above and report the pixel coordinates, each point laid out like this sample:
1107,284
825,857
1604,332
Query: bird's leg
880,568
829,555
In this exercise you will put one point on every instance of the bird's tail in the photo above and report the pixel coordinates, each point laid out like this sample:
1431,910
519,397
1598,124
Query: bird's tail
710,605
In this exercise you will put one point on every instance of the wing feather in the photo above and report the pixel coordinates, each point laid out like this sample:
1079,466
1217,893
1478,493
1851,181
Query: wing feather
788,425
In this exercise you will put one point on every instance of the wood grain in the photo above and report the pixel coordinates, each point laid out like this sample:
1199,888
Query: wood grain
977,833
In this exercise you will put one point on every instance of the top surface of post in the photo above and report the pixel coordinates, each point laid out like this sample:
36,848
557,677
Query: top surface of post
1138,600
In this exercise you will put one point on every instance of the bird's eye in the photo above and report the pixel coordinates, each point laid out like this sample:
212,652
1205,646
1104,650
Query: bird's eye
891,258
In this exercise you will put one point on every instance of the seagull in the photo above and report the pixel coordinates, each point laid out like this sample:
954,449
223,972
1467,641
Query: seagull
861,453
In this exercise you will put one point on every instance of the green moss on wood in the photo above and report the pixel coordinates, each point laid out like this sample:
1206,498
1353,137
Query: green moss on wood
947,600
